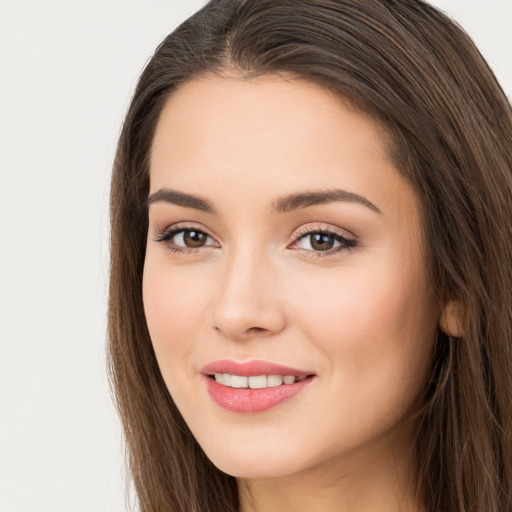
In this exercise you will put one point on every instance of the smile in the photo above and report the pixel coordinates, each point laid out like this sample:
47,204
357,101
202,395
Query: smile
255,381
253,386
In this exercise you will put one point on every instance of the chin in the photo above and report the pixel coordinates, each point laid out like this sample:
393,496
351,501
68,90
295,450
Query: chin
254,463
252,470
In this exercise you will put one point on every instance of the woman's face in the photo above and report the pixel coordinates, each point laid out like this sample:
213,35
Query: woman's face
281,234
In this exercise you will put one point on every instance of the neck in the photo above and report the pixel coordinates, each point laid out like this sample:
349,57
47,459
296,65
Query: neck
371,480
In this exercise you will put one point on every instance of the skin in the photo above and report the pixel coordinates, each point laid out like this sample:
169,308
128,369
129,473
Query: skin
362,319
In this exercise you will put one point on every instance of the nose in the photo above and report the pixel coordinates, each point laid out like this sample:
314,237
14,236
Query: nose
248,304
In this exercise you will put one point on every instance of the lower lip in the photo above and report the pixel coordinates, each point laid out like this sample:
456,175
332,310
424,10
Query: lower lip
253,400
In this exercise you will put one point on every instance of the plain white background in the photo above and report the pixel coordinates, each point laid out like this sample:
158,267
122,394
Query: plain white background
67,70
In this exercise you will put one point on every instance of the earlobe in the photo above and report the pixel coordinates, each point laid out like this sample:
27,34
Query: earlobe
451,320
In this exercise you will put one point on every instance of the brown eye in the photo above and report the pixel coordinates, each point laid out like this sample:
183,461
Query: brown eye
179,239
194,238
324,242
321,242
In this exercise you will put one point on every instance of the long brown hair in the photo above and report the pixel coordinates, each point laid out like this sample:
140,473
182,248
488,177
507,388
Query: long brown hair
450,130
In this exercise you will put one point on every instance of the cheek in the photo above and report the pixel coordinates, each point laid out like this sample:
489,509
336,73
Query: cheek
376,333
175,305
376,327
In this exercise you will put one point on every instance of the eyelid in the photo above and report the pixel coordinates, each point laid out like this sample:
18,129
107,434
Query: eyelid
347,240
166,234
323,228
184,225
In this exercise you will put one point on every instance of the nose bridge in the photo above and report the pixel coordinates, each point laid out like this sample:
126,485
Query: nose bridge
246,304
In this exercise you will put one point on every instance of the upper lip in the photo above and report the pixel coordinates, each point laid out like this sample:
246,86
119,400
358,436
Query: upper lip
251,368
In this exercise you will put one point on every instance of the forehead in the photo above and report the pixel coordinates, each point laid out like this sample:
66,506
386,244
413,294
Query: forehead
258,105
274,135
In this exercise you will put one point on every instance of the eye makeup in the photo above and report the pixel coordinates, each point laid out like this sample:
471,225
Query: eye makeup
185,238
311,241
322,242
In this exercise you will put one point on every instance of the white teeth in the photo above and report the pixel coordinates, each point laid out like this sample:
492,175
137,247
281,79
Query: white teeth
258,382
255,381
239,381
274,380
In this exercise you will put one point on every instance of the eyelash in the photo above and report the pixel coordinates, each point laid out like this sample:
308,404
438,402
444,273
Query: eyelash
346,244
167,235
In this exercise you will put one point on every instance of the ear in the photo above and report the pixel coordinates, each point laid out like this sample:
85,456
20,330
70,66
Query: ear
451,320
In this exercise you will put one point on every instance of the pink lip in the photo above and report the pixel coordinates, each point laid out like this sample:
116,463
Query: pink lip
248,400
251,368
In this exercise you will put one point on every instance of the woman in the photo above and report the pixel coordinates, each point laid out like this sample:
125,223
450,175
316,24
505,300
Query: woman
311,286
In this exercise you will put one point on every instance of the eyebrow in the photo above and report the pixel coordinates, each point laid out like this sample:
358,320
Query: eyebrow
180,199
306,199
285,204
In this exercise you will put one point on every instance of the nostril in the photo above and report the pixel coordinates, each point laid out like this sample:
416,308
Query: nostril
248,323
